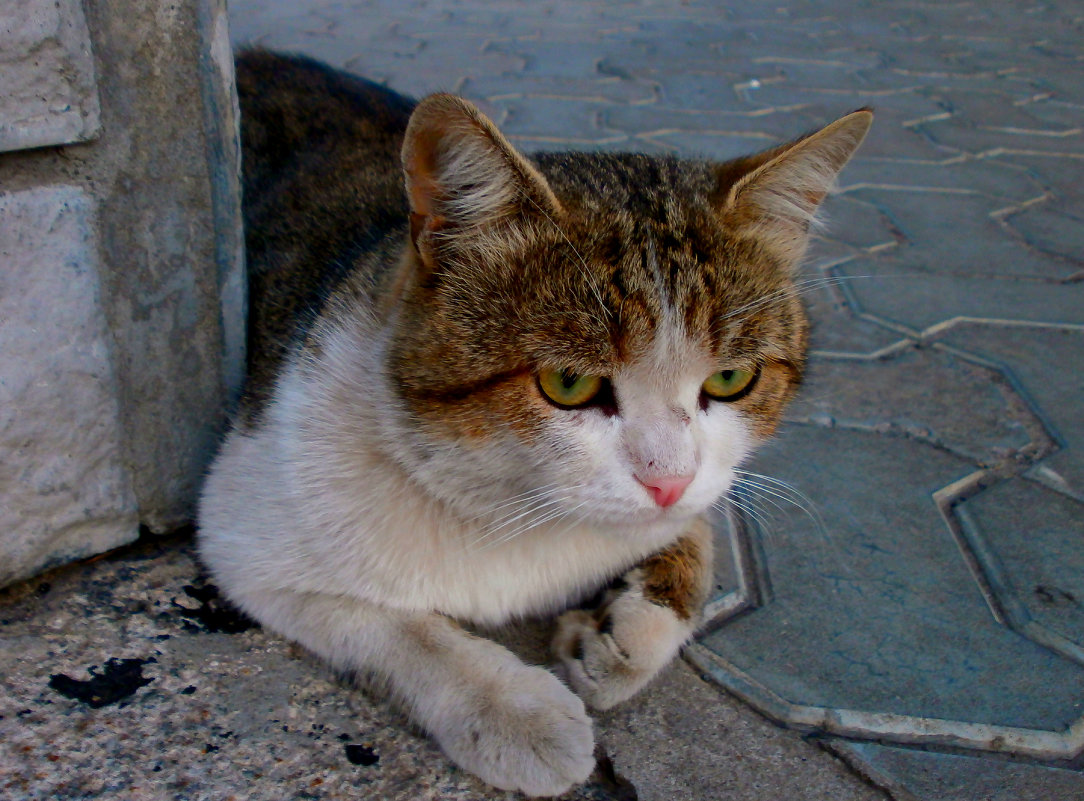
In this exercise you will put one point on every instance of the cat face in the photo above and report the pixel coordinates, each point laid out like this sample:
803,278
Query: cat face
596,338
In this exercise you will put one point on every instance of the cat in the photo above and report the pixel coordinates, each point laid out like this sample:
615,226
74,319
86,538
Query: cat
484,385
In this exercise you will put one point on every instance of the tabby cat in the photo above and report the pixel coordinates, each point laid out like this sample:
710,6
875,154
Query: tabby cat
483,385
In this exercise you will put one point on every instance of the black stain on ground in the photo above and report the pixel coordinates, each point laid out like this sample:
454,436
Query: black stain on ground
213,614
119,679
361,755
1053,596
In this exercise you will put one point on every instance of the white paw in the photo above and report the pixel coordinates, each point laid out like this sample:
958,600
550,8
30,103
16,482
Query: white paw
524,731
609,655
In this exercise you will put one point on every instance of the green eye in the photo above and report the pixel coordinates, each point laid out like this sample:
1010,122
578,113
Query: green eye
567,389
728,384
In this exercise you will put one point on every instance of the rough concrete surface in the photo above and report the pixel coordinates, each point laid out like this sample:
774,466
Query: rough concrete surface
127,678
50,96
60,428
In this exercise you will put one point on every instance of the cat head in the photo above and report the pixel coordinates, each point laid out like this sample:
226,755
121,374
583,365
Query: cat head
597,337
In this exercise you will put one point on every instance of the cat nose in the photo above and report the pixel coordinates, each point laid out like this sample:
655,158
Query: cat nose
666,490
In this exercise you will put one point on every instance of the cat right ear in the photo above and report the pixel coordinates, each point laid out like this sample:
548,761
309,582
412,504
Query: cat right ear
773,196
463,177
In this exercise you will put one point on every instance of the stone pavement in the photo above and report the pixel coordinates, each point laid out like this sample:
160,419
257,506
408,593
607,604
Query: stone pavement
905,585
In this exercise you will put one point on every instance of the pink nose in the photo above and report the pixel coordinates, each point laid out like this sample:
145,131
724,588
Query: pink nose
666,491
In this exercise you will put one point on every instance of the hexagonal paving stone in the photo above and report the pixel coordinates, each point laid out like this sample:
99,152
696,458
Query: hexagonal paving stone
915,393
836,329
910,773
1028,539
967,242
1049,230
897,292
1042,360
875,626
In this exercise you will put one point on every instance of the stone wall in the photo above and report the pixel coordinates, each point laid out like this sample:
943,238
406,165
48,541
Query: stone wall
121,280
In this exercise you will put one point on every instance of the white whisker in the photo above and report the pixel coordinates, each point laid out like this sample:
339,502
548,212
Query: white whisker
527,510
774,487
525,496
546,518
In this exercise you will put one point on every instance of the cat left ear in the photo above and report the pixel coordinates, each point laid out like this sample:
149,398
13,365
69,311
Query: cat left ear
776,199
462,174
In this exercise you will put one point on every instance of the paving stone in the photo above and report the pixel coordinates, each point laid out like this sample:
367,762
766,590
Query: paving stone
929,776
1038,358
811,74
1003,184
717,145
968,241
837,330
891,139
555,59
877,612
702,91
976,141
686,744
1037,561
914,393
905,293
603,89
1043,227
1059,174
1054,114
767,129
570,121
860,224
275,29
1003,112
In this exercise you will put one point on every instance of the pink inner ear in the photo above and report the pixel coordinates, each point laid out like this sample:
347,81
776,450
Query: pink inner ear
422,189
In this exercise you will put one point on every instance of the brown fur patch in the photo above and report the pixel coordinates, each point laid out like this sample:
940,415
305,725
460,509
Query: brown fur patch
593,254
674,577
473,412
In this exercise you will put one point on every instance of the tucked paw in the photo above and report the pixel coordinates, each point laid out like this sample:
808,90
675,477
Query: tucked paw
609,655
526,732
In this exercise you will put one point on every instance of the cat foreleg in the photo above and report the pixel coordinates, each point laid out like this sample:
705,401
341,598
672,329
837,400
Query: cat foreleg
608,654
516,727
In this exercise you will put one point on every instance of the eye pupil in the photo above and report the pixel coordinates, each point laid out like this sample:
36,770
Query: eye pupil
568,379
728,375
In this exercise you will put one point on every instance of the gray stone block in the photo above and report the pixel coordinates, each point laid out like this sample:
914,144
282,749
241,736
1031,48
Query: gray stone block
49,95
123,289
66,492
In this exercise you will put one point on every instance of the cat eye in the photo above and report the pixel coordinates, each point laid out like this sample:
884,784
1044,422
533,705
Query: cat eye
729,385
569,390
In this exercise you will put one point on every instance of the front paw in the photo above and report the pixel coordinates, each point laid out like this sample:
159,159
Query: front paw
525,732
609,655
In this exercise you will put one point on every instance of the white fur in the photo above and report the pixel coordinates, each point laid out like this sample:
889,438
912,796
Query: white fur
326,524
